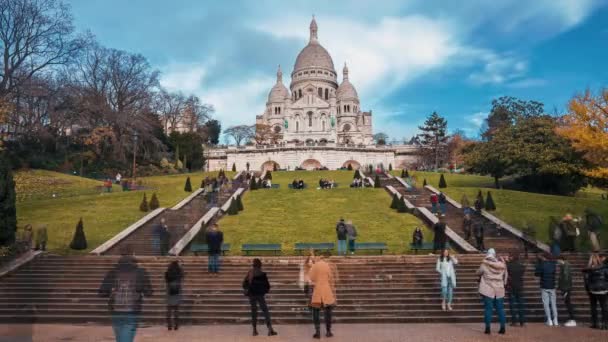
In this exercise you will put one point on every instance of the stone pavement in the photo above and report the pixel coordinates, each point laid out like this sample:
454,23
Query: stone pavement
295,333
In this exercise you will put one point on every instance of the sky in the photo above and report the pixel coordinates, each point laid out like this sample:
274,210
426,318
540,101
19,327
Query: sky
406,58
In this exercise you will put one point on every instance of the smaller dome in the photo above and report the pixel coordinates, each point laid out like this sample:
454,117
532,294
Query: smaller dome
279,92
346,90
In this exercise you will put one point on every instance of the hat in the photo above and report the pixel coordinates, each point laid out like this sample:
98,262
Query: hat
491,253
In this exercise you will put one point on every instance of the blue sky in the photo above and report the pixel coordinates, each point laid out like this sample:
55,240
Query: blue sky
406,58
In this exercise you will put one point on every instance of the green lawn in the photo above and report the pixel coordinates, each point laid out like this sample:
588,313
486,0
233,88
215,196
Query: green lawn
104,214
520,208
288,216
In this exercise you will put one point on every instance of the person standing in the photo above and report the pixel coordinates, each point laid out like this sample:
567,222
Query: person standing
215,239
478,206
478,232
173,280
493,273
467,225
341,233
571,231
125,286
434,201
305,278
440,238
417,238
545,270
324,277
515,286
256,286
351,233
447,273
565,287
593,223
27,236
596,284
118,178
165,238
41,238
442,203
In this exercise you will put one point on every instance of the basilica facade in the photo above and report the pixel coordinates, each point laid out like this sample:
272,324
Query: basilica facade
316,108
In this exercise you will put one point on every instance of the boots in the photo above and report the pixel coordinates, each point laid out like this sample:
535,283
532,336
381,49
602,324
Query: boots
255,331
317,322
271,331
328,318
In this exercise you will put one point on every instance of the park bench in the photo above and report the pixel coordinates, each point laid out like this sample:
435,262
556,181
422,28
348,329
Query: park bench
261,247
371,246
305,246
204,248
291,186
425,246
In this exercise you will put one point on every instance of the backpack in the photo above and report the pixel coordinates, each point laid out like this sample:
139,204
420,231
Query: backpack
124,295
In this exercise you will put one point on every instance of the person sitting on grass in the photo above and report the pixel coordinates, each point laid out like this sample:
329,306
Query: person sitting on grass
294,184
301,184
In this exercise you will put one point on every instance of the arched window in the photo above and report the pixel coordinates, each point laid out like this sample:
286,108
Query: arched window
299,93
320,92
279,108
309,119
326,93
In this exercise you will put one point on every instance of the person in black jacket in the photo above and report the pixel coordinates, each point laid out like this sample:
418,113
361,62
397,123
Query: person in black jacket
173,280
545,269
515,286
256,286
215,239
596,284
125,286
440,238
417,238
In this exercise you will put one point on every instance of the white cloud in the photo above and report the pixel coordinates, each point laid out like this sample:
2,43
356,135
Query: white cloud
474,122
497,69
186,78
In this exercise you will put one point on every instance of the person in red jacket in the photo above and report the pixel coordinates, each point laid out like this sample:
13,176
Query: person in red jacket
434,202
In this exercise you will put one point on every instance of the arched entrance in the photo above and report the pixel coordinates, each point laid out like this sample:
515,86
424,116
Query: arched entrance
355,165
310,164
270,166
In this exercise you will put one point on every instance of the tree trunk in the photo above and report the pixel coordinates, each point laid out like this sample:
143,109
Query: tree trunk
496,183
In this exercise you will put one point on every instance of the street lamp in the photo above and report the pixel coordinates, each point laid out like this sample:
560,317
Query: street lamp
134,154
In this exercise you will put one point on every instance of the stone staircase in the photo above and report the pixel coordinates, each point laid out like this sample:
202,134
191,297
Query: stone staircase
179,222
388,289
494,236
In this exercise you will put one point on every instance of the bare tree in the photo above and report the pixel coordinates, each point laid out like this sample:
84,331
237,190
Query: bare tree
170,107
240,133
196,113
34,35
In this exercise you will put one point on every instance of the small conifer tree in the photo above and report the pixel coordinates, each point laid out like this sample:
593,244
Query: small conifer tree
79,242
442,182
154,204
403,173
233,167
424,182
239,203
490,206
464,201
395,202
480,196
377,182
349,167
232,209
402,207
390,167
143,206
407,174
188,186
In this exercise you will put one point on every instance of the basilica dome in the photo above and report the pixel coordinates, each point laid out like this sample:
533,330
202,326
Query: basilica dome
279,92
346,90
313,55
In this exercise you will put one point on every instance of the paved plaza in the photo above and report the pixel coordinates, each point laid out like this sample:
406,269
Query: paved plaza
296,333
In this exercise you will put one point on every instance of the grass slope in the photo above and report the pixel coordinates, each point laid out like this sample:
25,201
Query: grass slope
104,214
288,216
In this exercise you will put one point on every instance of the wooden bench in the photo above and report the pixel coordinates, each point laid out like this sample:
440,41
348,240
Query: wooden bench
261,247
305,246
204,248
426,246
371,246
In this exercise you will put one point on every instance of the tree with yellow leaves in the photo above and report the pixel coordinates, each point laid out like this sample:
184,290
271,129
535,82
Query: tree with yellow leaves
586,126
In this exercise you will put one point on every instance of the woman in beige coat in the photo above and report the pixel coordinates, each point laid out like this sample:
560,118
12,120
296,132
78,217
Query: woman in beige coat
493,273
323,275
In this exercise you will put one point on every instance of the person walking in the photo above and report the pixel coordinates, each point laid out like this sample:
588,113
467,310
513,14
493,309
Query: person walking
447,273
515,287
440,238
593,223
173,280
545,270
467,226
478,206
596,285
125,286
351,234
565,287
442,203
341,233
256,286
323,275
434,202
165,238
493,276
478,231
157,234
215,239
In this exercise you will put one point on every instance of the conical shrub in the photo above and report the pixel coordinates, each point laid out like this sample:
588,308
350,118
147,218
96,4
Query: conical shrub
377,182
239,203
424,182
154,204
480,196
464,201
490,206
390,167
253,185
402,208
357,174
232,209
143,206
188,186
395,202
233,167
442,182
407,174
403,173
203,183
79,242
350,168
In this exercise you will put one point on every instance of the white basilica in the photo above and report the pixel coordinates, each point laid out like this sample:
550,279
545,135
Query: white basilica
316,109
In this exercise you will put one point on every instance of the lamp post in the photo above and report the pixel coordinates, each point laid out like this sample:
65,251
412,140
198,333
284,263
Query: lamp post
134,154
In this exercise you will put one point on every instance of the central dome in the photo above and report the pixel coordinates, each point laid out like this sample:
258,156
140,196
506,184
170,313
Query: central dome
313,55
